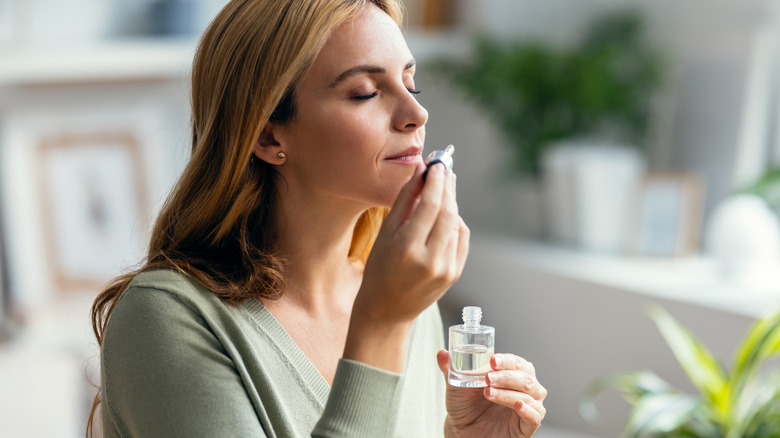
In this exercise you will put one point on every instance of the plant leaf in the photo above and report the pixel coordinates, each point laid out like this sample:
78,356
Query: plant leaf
632,385
762,342
767,187
704,371
758,406
659,413
766,423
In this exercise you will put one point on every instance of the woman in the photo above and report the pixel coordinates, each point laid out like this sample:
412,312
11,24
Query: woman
271,302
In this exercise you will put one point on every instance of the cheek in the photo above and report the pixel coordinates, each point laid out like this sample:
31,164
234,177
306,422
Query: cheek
360,136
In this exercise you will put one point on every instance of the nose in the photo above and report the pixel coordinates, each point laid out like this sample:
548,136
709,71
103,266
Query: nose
410,115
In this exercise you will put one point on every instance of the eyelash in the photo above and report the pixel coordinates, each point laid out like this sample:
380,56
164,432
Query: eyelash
366,96
375,93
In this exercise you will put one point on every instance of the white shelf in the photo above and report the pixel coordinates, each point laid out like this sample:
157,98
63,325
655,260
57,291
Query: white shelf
696,280
147,59
107,61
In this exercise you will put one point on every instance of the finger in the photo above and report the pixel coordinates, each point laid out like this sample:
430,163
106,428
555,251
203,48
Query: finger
451,193
529,410
532,411
450,267
512,362
427,210
464,234
405,202
453,189
464,237
530,415
517,381
448,221
454,242
443,358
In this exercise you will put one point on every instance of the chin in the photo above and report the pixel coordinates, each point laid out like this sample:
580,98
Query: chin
387,199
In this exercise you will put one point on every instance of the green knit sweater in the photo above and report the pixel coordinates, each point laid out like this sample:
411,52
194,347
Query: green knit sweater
178,362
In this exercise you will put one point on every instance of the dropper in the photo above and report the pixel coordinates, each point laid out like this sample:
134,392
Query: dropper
444,157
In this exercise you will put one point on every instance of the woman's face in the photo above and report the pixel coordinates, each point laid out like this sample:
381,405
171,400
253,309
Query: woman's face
358,130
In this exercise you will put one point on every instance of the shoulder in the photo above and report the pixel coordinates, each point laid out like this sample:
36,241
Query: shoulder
161,353
168,281
158,310
157,302
161,292
159,329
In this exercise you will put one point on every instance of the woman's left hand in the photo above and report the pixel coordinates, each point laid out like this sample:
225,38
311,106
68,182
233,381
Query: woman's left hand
510,406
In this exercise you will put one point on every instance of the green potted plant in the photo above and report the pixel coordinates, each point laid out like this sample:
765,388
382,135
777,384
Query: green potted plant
538,93
743,402
594,98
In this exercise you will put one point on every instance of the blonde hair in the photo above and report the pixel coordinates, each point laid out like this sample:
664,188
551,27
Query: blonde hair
218,224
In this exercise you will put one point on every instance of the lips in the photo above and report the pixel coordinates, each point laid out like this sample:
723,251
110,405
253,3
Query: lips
407,154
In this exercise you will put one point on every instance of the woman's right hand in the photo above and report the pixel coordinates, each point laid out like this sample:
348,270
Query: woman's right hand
419,253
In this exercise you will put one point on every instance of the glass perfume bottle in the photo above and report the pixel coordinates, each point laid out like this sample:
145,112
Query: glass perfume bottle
471,346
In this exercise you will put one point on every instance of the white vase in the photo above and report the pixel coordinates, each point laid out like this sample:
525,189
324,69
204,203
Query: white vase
561,203
590,188
743,233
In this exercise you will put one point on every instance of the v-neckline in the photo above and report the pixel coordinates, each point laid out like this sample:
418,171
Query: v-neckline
295,356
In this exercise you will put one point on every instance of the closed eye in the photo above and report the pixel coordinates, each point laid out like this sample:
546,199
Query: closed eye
375,93
365,96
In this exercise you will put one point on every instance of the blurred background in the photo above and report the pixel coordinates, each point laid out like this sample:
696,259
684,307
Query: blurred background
611,154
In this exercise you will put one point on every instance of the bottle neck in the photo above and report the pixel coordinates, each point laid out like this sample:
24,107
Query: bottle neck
471,316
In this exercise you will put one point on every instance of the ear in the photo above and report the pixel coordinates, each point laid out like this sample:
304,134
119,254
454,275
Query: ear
267,148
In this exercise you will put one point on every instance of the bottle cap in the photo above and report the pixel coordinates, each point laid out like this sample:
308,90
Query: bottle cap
444,157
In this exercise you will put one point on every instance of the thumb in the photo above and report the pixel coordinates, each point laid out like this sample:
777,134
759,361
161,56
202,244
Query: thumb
443,358
405,202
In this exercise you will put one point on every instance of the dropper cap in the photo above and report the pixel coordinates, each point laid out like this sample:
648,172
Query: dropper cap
472,315
444,157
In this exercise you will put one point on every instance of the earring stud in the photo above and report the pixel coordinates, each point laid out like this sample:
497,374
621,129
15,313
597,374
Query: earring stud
281,156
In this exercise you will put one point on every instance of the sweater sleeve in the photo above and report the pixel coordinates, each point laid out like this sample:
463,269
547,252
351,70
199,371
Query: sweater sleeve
165,374
362,402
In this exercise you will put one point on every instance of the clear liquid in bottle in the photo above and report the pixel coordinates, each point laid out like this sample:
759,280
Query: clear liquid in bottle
471,346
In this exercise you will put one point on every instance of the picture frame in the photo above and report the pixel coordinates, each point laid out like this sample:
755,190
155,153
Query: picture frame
667,215
130,141
91,197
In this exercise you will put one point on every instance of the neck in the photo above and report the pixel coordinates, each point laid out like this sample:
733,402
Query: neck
316,238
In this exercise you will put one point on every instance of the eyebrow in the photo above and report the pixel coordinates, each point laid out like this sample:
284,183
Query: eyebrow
360,69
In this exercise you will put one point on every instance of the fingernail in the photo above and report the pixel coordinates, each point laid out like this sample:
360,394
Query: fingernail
491,392
492,378
431,168
499,362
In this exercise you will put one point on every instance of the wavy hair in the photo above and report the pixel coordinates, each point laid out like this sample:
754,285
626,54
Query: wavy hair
218,225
